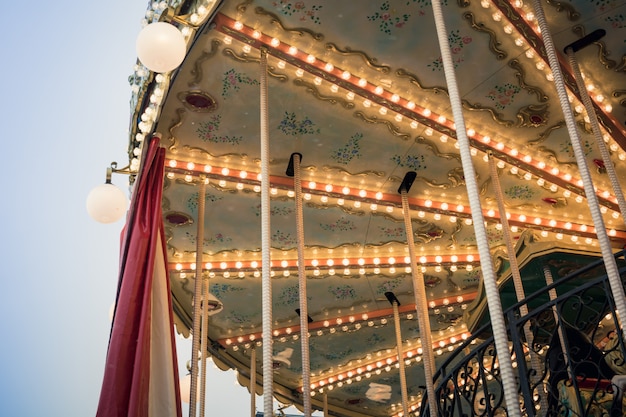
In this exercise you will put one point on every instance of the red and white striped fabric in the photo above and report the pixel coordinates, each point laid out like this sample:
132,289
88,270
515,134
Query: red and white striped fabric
141,373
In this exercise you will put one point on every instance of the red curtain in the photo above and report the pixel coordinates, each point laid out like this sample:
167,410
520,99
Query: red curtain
141,372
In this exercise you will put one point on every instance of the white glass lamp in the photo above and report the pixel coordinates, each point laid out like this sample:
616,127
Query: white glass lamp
106,203
161,47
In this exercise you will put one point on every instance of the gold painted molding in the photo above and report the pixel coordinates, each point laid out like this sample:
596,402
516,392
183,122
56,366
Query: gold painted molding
493,39
375,120
196,71
369,61
274,19
520,74
312,89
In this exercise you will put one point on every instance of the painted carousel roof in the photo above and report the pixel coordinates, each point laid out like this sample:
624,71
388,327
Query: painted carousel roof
358,89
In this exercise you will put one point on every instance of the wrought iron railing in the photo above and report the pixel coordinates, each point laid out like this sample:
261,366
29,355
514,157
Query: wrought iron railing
575,347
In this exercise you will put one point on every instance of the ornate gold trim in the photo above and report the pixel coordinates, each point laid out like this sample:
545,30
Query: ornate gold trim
180,112
371,62
455,177
572,14
413,79
602,51
196,71
455,232
546,133
310,88
521,75
493,40
551,155
298,31
328,168
497,117
247,59
435,150
619,93
525,115
242,7
375,120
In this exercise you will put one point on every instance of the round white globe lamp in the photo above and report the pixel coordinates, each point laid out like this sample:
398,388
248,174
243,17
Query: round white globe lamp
106,203
161,47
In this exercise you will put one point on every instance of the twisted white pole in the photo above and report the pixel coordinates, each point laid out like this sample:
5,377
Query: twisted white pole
304,315
253,382
597,134
592,199
535,361
266,278
421,307
403,389
205,337
489,279
197,296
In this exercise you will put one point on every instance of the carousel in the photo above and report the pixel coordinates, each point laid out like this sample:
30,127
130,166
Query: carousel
392,208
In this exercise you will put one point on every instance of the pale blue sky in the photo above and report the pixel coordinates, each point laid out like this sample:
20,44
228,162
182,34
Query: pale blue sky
65,115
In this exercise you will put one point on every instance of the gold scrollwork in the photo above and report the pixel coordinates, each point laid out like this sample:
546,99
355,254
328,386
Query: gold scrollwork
546,133
310,88
497,117
455,179
242,7
196,71
298,31
551,155
245,58
521,75
602,51
413,79
371,62
435,150
493,40
533,115
390,126
180,113
560,6
329,168
619,93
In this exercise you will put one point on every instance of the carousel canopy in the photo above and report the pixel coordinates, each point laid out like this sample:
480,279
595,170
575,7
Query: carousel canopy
357,91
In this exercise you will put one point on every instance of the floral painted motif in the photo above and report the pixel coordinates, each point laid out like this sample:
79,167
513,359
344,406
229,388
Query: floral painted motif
343,292
336,355
290,8
457,42
283,239
341,225
192,201
567,149
274,210
374,340
289,296
415,162
494,235
238,318
520,192
389,285
392,232
387,19
233,80
424,5
351,150
503,95
472,278
208,132
210,240
617,21
220,290
291,126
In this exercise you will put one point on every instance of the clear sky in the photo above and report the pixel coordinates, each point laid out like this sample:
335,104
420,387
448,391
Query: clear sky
65,115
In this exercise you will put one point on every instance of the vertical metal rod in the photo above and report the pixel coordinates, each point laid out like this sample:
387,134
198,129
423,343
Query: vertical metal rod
197,296
403,389
205,336
421,309
253,382
304,323
266,277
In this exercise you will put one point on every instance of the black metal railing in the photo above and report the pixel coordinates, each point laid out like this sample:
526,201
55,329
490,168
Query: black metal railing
567,368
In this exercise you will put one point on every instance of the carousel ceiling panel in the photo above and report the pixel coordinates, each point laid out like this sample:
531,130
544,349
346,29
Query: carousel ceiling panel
358,89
